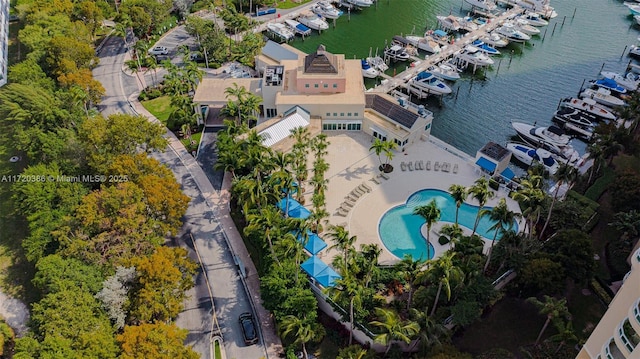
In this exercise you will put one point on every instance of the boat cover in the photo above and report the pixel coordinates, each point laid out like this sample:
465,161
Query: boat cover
507,174
486,164
423,75
440,33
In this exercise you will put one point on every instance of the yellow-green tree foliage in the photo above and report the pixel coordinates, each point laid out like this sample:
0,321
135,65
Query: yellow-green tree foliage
158,341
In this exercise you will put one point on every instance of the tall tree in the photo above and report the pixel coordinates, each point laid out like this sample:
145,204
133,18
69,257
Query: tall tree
480,192
348,287
410,269
157,340
393,328
504,220
552,308
343,242
566,174
303,330
459,195
444,271
431,215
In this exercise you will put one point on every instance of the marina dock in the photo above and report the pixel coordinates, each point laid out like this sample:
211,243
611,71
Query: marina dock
399,80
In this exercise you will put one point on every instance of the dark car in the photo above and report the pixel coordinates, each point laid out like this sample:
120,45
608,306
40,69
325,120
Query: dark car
248,328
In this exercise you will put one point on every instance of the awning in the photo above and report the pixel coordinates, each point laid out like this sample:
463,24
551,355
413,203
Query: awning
486,164
314,243
320,271
296,210
507,174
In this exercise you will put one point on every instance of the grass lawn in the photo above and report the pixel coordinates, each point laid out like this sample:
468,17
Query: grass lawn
159,107
327,349
586,311
217,351
601,184
290,4
512,323
187,142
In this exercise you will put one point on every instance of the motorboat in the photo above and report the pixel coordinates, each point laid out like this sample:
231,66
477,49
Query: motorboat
468,24
472,55
404,43
524,26
550,134
529,155
360,3
450,22
512,34
540,6
602,96
483,47
377,63
630,81
575,121
280,30
396,53
634,7
590,106
634,51
445,71
495,40
429,83
551,138
440,36
609,84
368,71
534,19
326,10
426,43
313,21
297,27
486,5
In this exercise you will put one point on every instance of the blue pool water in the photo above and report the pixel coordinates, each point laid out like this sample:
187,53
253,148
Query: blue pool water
399,228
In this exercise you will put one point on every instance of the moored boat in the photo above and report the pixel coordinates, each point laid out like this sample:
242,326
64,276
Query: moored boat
427,82
280,30
590,106
550,138
297,27
634,8
472,55
396,53
368,71
426,43
445,71
609,84
326,9
602,96
450,22
360,3
377,63
528,155
524,26
511,33
534,19
495,40
313,21
486,5
575,121
629,81
482,46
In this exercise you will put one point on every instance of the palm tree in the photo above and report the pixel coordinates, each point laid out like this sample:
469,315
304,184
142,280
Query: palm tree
628,223
431,330
431,215
453,232
370,253
531,199
303,331
565,334
552,308
237,92
409,269
445,272
385,147
343,242
596,153
459,194
480,192
393,328
268,222
348,286
565,174
504,220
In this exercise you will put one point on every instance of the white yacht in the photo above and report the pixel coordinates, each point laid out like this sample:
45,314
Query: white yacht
396,53
495,40
534,19
326,9
529,155
280,30
486,5
368,71
445,71
540,6
590,106
377,63
360,3
524,26
472,55
449,23
427,82
550,138
602,96
313,21
512,34
297,27
426,43
629,81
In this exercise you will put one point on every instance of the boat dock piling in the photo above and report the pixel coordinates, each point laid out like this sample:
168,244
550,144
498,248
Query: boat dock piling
450,50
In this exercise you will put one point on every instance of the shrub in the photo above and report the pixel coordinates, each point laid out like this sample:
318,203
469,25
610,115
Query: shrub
617,252
600,292
443,240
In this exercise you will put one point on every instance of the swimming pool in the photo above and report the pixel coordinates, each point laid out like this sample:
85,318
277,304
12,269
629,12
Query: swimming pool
399,228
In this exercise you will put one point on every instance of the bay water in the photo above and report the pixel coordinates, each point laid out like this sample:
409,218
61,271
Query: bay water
527,81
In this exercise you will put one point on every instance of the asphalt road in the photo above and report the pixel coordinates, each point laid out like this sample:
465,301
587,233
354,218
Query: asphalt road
230,296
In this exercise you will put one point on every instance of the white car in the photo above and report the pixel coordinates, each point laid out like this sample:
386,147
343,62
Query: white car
158,50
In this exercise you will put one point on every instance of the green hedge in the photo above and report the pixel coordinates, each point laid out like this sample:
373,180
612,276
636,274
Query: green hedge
600,291
601,184
584,200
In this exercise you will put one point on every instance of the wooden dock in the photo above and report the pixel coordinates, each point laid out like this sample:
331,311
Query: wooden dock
400,79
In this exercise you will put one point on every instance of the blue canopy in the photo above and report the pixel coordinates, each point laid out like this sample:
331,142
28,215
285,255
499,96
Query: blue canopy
314,245
296,210
313,266
327,278
319,271
440,33
486,164
508,174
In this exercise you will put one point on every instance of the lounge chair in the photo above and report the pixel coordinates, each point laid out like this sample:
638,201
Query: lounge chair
352,197
419,165
436,166
410,166
455,168
348,203
428,166
343,224
342,212
366,187
403,166
375,180
345,207
384,175
359,191
445,167
355,194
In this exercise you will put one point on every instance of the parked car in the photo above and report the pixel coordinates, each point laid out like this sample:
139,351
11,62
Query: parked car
196,56
248,328
158,50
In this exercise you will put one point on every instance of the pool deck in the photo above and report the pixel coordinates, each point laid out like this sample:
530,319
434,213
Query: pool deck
351,164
